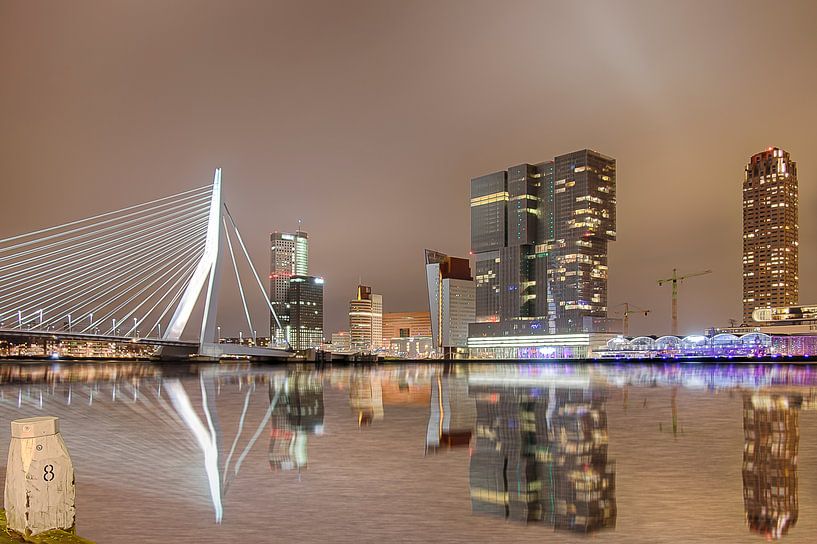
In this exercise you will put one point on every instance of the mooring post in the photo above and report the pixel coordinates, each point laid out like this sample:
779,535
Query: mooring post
40,489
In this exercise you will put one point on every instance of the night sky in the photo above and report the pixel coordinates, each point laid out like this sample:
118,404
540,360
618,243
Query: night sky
367,120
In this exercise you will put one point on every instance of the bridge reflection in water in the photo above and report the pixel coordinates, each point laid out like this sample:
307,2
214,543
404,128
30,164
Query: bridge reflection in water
534,445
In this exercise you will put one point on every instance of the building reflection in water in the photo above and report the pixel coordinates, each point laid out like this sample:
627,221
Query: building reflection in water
540,454
451,415
298,409
366,396
771,438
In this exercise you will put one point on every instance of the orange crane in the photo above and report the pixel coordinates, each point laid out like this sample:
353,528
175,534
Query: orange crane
675,280
630,309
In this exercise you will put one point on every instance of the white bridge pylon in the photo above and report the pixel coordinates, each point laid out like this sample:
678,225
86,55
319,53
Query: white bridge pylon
138,272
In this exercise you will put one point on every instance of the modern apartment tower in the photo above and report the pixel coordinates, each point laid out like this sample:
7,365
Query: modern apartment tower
305,305
770,232
289,256
366,320
539,235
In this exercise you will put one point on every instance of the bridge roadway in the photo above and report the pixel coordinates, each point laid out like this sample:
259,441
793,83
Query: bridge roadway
173,349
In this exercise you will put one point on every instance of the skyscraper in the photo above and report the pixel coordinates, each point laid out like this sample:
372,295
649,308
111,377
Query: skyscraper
289,256
770,232
451,299
584,213
539,235
305,304
366,320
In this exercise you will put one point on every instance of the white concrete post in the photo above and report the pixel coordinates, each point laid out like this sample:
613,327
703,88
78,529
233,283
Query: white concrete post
40,488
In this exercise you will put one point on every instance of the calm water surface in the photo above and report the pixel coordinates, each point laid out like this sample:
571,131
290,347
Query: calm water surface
429,453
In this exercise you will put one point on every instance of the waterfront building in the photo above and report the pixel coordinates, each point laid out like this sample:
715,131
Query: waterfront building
412,347
366,320
305,303
771,431
770,232
341,342
452,301
289,256
539,237
405,325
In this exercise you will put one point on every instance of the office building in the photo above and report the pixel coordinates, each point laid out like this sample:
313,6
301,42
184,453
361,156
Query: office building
289,256
305,309
366,320
451,300
405,325
539,237
770,232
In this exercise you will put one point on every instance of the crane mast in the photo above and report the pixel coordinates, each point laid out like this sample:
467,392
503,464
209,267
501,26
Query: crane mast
674,281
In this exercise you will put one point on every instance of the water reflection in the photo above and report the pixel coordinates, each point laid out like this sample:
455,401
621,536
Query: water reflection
540,454
578,449
772,436
298,411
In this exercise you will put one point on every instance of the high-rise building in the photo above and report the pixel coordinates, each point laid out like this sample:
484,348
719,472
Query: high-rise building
289,256
451,299
366,320
770,232
305,308
539,235
584,222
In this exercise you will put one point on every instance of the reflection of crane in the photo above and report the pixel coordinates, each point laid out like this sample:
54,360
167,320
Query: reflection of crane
630,309
675,280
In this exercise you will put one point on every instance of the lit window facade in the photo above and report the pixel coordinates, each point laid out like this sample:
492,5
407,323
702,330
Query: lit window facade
305,300
770,232
289,256
539,235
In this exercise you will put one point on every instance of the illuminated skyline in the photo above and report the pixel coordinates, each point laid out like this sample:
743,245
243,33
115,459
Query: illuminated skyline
106,105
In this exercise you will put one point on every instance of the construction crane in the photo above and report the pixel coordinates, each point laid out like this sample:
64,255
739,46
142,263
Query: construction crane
675,280
630,309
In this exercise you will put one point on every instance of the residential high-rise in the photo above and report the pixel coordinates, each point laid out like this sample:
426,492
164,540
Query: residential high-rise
289,256
366,320
770,232
305,304
451,299
539,235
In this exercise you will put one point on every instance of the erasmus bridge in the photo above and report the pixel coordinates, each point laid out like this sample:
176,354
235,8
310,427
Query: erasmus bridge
131,275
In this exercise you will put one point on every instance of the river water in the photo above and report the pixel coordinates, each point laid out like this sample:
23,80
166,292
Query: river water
431,453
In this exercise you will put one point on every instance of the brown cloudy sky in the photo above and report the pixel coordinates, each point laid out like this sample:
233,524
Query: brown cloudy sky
367,120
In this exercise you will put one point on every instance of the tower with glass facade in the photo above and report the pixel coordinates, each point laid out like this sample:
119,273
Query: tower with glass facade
539,235
289,256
